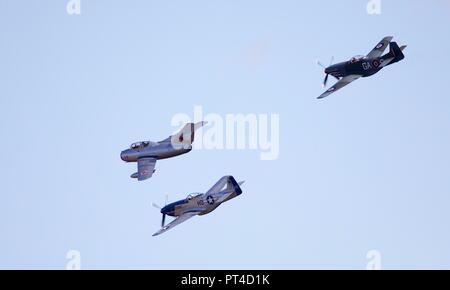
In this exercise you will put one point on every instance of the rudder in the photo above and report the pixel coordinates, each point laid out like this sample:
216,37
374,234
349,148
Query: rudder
396,52
233,185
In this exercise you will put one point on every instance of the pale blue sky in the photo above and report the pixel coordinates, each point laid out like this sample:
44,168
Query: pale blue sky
367,168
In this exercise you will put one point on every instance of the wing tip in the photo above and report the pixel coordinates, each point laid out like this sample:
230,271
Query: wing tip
162,230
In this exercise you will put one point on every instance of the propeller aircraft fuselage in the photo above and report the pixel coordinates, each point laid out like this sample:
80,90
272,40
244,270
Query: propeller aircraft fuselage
358,65
200,203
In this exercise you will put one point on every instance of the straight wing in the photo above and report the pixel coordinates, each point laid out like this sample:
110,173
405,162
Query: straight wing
177,221
380,47
339,85
146,167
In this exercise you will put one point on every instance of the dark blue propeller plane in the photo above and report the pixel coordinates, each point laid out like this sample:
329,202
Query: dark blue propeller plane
363,66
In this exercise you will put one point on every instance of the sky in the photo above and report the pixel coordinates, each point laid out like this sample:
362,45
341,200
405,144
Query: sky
363,171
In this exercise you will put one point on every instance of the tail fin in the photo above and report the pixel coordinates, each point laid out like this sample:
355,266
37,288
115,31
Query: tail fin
185,137
232,185
395,52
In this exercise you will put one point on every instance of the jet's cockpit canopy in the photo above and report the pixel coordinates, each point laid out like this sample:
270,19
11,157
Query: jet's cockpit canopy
193,195
356,58
141,145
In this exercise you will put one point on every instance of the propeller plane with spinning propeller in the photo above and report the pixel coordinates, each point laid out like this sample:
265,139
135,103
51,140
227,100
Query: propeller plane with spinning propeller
199,203
362,66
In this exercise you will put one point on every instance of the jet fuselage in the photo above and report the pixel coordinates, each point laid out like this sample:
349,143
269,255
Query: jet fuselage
156,150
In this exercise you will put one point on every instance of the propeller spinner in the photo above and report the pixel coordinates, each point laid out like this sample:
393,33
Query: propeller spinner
163,221
325,81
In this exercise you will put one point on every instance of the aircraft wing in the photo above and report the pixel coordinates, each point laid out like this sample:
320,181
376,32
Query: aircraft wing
339,85
146,167
380,47
175,222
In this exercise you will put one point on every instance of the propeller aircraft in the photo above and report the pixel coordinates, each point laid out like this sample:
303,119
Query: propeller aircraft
362,66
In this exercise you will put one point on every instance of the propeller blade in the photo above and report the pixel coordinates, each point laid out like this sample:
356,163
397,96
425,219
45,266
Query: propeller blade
167,198
155,205
320,64
325,81
163,220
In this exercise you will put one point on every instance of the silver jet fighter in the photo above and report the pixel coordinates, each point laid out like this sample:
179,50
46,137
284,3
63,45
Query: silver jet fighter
200,203
146,153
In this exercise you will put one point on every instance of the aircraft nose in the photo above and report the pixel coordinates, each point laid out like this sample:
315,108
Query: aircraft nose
335,68
168,209
331,69
164,210
123,155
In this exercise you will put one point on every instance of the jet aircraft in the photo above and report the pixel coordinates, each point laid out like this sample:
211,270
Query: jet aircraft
146,153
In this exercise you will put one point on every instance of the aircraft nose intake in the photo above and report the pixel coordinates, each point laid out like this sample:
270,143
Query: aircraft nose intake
123,156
